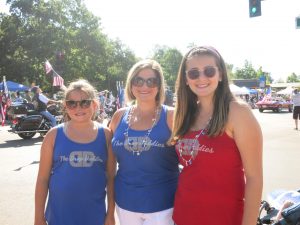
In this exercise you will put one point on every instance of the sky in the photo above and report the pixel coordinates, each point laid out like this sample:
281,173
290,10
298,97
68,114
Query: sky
270,41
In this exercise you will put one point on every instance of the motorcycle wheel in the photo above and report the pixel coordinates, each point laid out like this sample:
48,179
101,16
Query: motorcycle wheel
27,136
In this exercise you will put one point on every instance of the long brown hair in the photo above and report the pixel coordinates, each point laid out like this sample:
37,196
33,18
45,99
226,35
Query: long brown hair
186,108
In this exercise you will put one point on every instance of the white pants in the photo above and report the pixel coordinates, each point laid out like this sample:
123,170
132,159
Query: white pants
134,218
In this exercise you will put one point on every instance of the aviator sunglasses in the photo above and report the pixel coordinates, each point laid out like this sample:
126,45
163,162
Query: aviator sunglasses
84,104
150,82
208,71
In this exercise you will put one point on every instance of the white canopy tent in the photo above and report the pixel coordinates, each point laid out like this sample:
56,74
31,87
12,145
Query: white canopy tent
287,91
236,90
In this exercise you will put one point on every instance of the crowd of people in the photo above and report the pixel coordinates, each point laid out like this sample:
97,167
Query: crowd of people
134,162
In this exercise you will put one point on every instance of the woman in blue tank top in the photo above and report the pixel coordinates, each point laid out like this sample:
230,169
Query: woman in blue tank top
146,179
76,166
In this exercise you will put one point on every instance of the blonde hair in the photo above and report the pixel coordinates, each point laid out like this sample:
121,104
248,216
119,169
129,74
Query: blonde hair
83,86
186,108
134,71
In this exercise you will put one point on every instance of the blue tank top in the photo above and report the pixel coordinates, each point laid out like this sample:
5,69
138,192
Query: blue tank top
145,182
78,181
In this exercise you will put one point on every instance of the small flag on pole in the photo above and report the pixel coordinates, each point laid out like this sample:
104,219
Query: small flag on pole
48,67
57,80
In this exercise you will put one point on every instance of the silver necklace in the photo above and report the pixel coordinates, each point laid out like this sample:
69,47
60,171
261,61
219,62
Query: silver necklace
193,151
140,144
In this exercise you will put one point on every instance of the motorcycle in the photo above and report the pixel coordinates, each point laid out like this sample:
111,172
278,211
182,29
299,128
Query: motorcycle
27,122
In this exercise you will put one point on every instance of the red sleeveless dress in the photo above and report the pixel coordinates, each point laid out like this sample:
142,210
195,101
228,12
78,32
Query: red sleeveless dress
211,189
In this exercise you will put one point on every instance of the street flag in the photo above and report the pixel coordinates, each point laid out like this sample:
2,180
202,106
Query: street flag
57,80
48,67
120,95
5,101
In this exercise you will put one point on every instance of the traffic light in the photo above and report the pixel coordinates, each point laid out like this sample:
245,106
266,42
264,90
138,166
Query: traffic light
298,22
254,8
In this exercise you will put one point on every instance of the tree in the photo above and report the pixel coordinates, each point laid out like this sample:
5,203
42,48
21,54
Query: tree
248,72
169,59
37,30
293,78
229,68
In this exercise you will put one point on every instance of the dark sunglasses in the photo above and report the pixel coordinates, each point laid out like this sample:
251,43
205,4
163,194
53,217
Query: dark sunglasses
84,104
150,82
209,72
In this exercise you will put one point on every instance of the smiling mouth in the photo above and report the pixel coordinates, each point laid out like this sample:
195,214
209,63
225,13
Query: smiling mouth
202,85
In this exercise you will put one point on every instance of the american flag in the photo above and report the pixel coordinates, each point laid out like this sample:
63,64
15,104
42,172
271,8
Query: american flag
57,80
48,67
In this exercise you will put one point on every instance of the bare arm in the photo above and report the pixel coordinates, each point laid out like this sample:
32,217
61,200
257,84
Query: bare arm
41,189
115,120
248,137
111,171
51,101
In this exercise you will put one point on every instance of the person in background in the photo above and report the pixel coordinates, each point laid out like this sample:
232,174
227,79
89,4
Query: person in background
169,99
27,96
219,143
18,98
147,175
42,102
296,110
76,166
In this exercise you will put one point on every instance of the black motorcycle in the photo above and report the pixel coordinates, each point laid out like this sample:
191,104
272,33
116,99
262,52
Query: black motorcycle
27,122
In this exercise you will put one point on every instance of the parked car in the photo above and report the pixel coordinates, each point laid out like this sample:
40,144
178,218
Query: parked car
276,104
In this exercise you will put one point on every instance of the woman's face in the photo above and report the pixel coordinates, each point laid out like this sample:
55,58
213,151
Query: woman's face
206,84
145,85
79,106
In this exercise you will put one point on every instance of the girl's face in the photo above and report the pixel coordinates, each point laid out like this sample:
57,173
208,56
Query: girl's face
80,107
202,75
145,85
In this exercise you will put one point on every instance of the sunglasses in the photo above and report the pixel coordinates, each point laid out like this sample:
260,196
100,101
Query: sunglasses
84,104
209,72
150,82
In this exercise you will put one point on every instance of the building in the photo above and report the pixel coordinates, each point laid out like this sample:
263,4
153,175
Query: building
249,83
285,85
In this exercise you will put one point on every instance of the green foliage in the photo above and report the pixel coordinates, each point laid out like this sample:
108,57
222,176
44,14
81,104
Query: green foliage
293,78
247,72
169,59
37,30
229,68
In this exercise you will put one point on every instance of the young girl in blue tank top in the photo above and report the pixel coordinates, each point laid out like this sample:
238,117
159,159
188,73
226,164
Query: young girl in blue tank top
147,174
76,166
